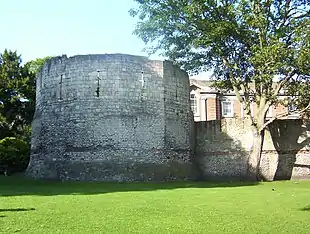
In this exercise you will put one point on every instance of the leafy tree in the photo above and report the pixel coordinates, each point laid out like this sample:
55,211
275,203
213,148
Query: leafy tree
36,65
17,92
248,43
17,104
17,84
16,110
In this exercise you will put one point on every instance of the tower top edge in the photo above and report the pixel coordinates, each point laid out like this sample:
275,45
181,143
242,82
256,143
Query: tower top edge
103,57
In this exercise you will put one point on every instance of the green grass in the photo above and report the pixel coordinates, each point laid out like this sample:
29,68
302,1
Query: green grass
73,207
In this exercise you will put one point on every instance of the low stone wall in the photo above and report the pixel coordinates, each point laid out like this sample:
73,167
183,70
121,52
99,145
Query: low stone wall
223,148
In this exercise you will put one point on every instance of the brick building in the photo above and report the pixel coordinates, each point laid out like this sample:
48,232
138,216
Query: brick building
209,103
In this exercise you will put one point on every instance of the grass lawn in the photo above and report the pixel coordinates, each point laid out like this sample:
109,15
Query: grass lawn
187,207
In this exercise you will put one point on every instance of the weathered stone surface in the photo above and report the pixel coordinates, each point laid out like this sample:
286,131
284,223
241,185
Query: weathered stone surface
133,123
223,148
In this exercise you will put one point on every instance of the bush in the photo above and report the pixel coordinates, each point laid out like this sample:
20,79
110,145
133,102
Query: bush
14,154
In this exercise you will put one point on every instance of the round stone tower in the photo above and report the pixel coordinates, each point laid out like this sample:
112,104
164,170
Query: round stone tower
111,117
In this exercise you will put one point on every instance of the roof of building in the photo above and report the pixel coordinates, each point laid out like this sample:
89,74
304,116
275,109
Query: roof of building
206,86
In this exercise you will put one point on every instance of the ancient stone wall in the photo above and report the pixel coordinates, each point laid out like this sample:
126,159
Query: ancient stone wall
111,117
178,129
223,148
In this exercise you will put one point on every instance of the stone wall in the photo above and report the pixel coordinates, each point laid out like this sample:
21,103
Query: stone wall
111,117
223,147
117,117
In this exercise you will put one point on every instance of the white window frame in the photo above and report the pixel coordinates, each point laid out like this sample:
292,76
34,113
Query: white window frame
232,112
290,112
289,108
197,102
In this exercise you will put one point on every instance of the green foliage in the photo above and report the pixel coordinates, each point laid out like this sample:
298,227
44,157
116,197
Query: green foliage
17,95
17,104
14,154
17,100
247,43
36,65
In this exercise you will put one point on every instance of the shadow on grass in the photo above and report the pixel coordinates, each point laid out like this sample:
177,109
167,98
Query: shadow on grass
307,208
19,186
17,209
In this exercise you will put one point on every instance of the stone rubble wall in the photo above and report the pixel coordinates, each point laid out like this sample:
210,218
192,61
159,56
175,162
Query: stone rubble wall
137,126
134,123
223,147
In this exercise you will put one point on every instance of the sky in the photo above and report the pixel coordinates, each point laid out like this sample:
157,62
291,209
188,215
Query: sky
38,28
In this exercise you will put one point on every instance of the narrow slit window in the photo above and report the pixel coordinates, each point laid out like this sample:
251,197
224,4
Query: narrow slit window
142,78
60,87
98,84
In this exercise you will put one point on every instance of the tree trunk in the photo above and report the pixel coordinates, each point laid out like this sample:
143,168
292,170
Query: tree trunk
255,154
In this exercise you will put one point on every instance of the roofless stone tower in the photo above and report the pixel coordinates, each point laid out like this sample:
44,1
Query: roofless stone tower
111,117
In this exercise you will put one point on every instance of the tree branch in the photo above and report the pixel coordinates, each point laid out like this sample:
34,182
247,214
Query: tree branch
282,115
282,82
237,93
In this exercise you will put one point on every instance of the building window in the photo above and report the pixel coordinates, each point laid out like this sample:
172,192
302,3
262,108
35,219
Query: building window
227,109
194,105
291,108
292,111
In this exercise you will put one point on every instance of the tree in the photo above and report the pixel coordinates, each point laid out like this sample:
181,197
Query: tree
16,111
36,65
17,104
17,92
16,95
248,43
